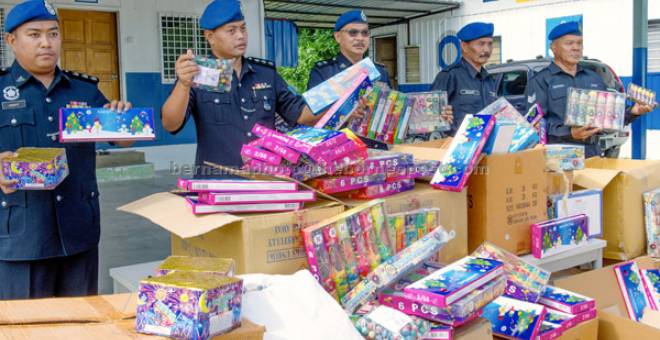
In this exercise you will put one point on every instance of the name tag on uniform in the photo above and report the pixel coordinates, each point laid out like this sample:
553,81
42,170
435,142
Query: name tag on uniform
492,94
558,86
594,86
469,92
17,104
261,86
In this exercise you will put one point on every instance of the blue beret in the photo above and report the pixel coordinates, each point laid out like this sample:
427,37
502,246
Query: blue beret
26,11
220,12
350,17
475,31
571,27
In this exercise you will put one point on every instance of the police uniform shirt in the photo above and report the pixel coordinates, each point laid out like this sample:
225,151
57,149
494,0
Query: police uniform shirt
549,88
51,223
468,91
224,121
326,69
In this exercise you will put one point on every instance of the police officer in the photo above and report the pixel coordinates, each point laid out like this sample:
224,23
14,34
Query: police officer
352,34
48,239
224,120
549,88
469,86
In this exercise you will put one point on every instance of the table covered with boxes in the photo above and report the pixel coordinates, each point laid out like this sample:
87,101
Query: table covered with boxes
329,235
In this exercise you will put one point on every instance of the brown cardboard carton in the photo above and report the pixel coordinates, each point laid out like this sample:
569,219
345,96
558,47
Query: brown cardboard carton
584,331
260,243
478,329
613,321
623,182
559,182
506,194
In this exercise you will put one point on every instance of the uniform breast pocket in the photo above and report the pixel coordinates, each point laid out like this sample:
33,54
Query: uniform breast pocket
17,128
264,103
216,108
12,215
469,102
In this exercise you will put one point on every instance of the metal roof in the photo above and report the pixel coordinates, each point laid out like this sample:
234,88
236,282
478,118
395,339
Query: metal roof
324,13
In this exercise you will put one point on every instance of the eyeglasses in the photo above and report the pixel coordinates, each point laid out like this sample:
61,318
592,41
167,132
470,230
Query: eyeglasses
354,33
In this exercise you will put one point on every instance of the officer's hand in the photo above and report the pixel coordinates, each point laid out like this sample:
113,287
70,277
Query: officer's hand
447,114
361,109
118,106
6,186
582,133
186,68
641,109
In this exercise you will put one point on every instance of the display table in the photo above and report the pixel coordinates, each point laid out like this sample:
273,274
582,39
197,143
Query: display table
590,254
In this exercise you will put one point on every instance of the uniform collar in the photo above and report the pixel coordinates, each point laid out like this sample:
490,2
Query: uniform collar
555,69
473,72
247,66
21,76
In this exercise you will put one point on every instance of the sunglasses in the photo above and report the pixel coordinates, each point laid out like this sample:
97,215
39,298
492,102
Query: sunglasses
354,32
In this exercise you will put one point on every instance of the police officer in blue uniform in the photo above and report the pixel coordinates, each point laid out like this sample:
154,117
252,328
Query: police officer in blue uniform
224,120
352,34
48,239
469,86
549,88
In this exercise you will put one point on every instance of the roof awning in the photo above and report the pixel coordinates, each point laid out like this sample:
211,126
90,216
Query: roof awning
324,13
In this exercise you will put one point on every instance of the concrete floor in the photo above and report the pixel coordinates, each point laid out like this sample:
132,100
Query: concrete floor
127,239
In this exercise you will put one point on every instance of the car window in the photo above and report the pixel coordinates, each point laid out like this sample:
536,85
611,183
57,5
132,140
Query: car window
513,83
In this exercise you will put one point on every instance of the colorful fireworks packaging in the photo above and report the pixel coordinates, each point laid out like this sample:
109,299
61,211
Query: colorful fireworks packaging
214,265
36,168
591,108
641,95
100,124
214,75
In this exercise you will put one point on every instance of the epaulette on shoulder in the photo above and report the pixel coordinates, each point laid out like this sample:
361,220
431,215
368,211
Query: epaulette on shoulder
82,76
326,62
4,71
263,62
380,64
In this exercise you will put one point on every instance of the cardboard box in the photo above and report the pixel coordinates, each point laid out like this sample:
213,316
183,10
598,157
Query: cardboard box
453,214
506,194
260,243
478,329
613,321
584,331
83,318
623,182
559,182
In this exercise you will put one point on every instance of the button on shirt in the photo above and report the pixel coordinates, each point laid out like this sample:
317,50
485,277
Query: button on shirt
326,69
549,88
50,223
224,121
468,91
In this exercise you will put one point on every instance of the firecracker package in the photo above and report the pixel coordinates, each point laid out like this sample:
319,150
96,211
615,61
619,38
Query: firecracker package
234,185
566,301
189,305
383,190
304,139
426,114
214,75
360,125
525,281
199,208
333,185
101,124
456,314
226,198
407,227
381,162
629,278
591,108
463,153
651,280
451,283
652,222
274,146
535,117
36,168
257,166
349,245
514,319
250,152
323,95
565,320
524,135
439,332
564,157
389,324
549,331
340,112
501,138
213,265
641,95
559,235
396,267
588,202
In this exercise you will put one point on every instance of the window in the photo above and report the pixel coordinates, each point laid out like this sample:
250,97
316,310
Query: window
6,55
496,55
513,83
177,34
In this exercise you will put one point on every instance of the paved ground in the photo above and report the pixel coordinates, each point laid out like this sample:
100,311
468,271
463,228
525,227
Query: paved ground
127,239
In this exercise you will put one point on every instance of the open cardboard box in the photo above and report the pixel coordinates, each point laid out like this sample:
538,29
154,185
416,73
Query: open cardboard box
623,182
613,321
260,243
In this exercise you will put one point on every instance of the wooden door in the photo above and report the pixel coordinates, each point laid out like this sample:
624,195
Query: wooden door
386,54
89,45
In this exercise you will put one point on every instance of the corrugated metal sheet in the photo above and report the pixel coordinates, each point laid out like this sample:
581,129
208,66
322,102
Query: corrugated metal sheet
281,42
323,13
